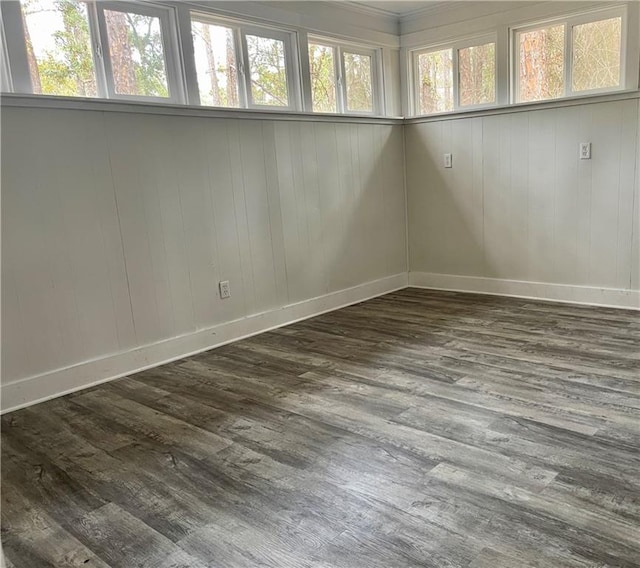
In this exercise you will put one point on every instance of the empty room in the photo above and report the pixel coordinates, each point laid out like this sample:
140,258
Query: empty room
320,284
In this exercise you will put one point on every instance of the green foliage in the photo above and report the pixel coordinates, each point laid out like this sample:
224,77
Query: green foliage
216,64
148,59
268,72
357,71
69,69
477,74
435,72
137,54
323,86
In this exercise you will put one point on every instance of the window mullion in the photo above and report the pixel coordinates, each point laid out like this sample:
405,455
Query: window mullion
185,54
305,71
568,58
243,68
104,52
455,63
97,41
339,86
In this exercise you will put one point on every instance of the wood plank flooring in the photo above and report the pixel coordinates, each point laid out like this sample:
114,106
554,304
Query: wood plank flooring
421,428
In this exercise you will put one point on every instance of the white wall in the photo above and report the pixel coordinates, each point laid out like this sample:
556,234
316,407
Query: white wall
518,204
117,227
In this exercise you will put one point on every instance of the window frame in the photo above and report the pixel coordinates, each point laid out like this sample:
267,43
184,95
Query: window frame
240,30
168,26
455,46
204,18
13,29
340,47
569,22
6,81
290,62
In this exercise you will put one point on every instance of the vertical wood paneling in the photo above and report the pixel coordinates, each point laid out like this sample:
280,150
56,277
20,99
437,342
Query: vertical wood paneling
516,266
583,204
564,254
225,214
634,277
346,188
541,203
118,227
628,189
605,194
546,215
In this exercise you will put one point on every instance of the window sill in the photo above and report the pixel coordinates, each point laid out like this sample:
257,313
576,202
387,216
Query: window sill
524,107
110,105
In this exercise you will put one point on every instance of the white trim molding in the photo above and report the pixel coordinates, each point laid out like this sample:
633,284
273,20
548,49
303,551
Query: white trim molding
39,388
589,295
140,107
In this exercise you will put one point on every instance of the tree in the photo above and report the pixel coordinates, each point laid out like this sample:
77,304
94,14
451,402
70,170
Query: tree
69,69
268,72
214,45
357,71
137,54
323,85
542,64
435,75
477,74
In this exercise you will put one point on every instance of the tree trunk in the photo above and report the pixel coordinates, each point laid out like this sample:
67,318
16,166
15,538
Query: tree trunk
211,63
34,73
232,73
124,76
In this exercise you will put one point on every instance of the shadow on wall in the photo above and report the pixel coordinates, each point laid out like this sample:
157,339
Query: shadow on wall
342,204
444,204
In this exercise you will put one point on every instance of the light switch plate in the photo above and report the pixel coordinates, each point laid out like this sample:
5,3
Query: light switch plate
448,160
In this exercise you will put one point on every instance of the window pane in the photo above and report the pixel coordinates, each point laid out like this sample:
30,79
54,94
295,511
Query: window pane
541,54
596,55
357,73
137,54
435,81
268,71
477,74
215,64
59,48
323,77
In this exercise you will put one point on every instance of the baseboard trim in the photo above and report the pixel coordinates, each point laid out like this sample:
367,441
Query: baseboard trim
588,295
39,388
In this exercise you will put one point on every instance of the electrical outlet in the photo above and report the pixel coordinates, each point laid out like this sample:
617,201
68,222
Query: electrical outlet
448,160
225,290
585,150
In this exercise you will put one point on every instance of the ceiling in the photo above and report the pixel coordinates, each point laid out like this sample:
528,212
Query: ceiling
399,7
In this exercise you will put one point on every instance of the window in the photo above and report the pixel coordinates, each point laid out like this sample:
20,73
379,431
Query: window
139,51
541,64
435,81
58,45
596,55
343,78
94,49
477,70
216,64
244,66
358,80
322,65
267,71
453,77
577,55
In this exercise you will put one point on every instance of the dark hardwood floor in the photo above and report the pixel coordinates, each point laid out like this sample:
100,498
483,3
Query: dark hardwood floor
421,428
